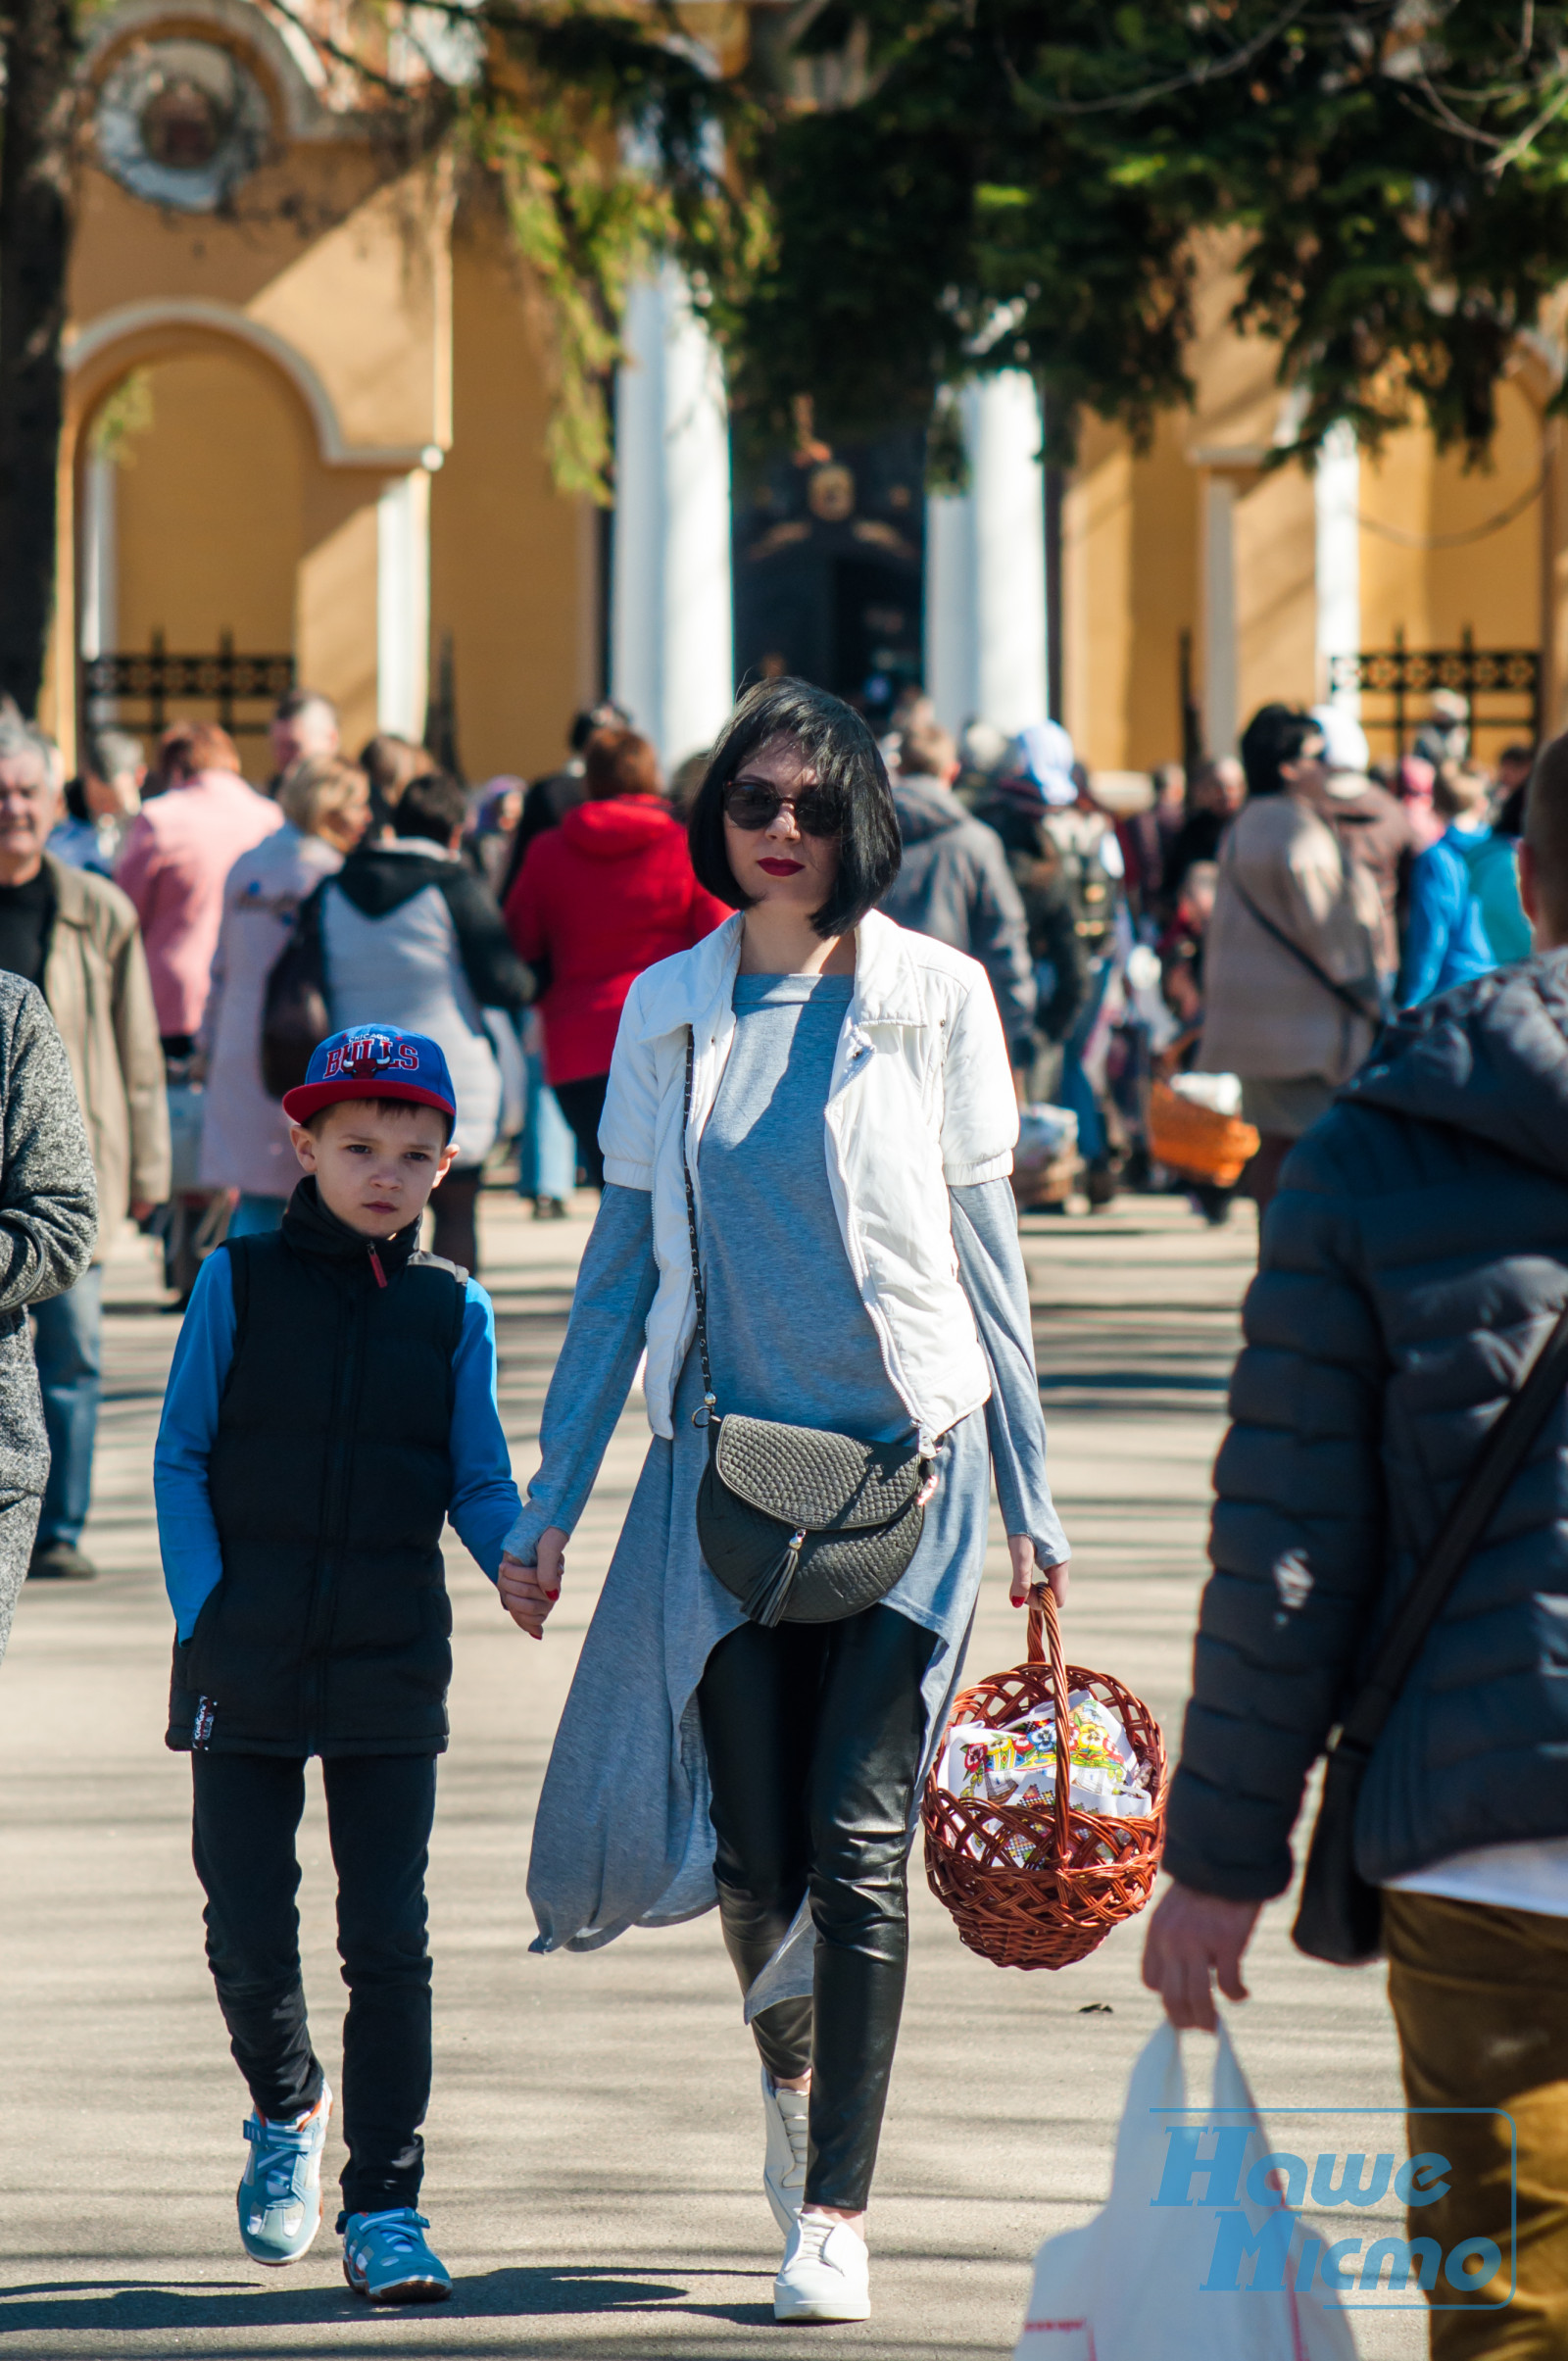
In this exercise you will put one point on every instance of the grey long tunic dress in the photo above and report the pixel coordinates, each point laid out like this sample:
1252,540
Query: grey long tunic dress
623,1835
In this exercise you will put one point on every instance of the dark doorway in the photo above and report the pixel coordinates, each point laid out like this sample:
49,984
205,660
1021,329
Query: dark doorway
829,564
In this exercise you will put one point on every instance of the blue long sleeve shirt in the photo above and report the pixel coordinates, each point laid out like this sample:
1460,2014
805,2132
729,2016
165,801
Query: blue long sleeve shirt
484,1501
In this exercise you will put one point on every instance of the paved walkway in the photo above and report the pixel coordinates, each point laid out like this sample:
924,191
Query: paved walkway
594,2143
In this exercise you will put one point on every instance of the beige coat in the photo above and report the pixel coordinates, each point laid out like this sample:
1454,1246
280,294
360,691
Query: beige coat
1265,1016
95,981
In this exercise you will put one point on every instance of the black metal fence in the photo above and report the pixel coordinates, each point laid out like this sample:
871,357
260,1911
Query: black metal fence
1483,678
158,680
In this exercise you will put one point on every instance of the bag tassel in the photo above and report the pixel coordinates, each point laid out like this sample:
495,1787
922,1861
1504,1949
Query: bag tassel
770,1592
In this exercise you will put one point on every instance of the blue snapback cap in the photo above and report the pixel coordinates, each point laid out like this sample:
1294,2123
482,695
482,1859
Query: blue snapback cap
373,1061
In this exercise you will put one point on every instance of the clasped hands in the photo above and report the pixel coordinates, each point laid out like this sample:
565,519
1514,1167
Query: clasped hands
528,1592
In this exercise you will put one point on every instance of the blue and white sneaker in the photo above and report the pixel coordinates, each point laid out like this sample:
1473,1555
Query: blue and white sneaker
279,2197
386,2260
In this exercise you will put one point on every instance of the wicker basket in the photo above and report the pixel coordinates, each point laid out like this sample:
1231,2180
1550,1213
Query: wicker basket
1194,1139
1039,1886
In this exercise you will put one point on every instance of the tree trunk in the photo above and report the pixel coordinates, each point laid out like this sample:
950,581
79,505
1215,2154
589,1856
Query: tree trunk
36,223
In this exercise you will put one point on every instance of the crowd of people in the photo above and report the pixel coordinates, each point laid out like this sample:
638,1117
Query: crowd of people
153,905
1257,920
786,1013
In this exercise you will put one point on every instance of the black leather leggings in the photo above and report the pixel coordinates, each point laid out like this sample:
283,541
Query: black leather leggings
813,1734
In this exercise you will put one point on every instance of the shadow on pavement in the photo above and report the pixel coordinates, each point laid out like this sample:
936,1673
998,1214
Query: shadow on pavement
96,2307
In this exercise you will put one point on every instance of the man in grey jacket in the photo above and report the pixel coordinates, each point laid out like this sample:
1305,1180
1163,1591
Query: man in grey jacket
48,1225
954,883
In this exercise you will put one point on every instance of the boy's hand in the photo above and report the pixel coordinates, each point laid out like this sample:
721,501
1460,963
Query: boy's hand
528,1592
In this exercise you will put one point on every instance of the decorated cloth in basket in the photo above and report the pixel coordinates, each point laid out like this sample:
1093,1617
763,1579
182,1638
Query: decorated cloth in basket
1039,1884
1195,1139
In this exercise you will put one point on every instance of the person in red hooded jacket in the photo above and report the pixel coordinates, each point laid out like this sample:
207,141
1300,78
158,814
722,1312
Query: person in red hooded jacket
597,900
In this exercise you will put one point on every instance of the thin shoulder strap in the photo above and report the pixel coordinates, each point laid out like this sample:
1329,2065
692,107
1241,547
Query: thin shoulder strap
1504,1452
709,1399
1303,959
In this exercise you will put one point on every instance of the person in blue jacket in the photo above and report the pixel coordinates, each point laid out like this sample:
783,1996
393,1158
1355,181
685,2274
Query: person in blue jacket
1492,858
1446,940
332,1402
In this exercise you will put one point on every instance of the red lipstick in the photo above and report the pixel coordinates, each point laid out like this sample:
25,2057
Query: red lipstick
781,869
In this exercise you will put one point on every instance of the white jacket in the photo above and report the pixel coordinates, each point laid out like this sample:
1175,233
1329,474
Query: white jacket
921,1098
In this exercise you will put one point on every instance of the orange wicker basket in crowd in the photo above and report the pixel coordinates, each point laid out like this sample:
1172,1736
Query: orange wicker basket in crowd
1194,1139
1040,1884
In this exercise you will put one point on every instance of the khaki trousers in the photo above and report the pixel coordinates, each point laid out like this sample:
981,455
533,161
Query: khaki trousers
1480,1996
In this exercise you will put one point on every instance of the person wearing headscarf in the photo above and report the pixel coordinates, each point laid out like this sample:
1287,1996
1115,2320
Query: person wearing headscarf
1373,829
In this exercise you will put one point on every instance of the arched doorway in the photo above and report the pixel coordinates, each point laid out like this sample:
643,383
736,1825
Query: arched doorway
191,498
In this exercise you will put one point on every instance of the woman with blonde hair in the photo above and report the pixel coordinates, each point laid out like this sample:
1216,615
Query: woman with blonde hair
325,804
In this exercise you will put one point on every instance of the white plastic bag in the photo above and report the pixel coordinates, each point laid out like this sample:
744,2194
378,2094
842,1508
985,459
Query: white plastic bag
1130,2285
1221,1094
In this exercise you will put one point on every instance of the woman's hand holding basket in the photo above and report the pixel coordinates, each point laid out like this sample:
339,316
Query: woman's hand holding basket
1030,1580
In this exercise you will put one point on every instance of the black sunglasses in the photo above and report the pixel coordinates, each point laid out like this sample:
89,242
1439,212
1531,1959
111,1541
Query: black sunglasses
752,806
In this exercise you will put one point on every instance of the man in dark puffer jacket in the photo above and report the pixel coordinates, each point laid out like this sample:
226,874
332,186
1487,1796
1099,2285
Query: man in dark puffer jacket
1413,1263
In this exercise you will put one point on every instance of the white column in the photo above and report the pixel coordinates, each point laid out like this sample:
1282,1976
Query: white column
673,663
403,606
98,602
985,565
1219,616
1337,497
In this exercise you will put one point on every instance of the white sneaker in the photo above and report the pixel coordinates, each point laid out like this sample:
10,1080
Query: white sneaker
784,2172
825,2273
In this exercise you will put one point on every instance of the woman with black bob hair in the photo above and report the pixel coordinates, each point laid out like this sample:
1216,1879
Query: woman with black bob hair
807,1223
849,775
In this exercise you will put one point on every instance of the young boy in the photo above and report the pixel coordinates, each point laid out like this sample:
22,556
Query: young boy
331,1402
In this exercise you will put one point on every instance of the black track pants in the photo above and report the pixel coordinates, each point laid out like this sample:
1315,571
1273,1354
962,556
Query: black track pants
379,1809
582,1103
813,1734
456,1207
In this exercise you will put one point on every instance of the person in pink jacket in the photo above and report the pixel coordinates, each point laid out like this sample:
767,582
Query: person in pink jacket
177,857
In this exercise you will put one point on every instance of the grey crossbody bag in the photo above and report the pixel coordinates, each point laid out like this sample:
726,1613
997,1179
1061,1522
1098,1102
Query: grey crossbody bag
801,1525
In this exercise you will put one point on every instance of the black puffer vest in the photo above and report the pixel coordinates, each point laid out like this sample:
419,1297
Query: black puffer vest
331,1478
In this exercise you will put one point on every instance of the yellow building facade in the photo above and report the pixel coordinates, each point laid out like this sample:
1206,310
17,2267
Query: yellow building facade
306,408
305,422
1198,566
